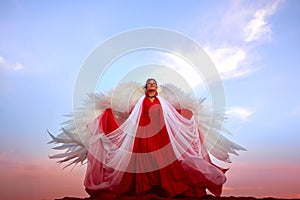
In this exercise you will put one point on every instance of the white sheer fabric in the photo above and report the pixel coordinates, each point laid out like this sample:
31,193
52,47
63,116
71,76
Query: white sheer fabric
110,154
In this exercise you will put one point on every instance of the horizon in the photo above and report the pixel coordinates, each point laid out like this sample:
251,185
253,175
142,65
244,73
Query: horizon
253,44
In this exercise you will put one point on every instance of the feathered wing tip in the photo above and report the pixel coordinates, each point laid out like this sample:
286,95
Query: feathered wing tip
78,129
75,132
74,153
210,122
211,125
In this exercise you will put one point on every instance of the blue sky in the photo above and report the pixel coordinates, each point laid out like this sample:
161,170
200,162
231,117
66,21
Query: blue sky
254,45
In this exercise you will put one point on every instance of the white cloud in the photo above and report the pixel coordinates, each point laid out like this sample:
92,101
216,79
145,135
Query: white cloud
240,113
5,66
230,49
258,28
230,61
185,69
18,66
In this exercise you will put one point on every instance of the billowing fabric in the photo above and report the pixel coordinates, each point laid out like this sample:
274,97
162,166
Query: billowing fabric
157,148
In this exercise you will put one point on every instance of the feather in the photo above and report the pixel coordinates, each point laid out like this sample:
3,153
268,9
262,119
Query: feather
77,130
210,122
75,134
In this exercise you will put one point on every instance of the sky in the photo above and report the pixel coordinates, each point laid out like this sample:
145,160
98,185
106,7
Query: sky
253,44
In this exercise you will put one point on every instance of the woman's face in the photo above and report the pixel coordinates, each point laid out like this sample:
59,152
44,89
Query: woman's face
151,85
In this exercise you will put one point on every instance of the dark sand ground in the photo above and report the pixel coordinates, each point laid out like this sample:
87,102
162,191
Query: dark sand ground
154,197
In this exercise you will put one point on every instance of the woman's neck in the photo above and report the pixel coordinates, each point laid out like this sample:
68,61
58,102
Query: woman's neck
151,93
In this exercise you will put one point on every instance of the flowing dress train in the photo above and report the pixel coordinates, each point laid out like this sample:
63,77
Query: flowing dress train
156,168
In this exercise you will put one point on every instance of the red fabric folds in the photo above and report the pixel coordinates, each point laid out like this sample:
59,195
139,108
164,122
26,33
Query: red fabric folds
177,178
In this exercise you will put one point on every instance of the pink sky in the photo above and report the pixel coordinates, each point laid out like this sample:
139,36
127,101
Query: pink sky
43,179
39,179
254,44
279,180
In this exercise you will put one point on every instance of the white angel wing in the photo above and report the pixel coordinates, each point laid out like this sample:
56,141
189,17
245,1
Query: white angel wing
76,132
210,122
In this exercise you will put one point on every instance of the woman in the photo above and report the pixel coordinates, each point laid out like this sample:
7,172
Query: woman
157,148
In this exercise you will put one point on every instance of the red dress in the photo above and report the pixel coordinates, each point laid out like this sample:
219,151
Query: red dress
149,173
